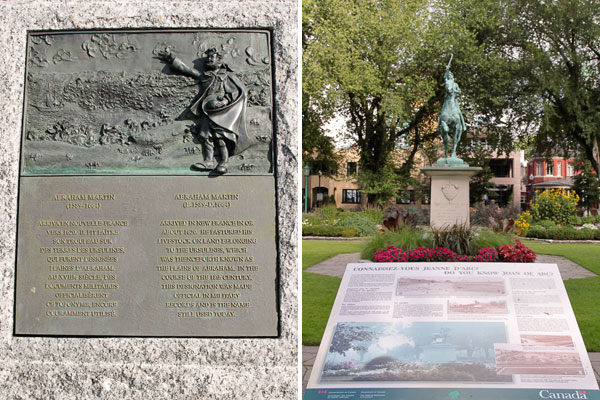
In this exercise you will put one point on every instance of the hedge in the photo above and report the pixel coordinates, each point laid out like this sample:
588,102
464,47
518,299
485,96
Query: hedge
563,233
329,231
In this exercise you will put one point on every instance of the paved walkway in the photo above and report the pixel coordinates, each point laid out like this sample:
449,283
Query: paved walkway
335,266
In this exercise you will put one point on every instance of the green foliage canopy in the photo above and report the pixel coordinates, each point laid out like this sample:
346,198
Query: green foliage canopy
380,64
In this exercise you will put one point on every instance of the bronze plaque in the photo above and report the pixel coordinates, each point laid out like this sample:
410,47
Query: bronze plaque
147,202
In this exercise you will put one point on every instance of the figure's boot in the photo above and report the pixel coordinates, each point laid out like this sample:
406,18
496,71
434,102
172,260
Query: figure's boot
208,152
222,166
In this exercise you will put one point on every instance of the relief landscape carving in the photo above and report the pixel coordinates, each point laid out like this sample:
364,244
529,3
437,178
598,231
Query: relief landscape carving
109,102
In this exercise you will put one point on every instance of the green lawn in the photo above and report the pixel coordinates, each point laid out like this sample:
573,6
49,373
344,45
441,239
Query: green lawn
318,294
315,251
318,291
586,304
586,255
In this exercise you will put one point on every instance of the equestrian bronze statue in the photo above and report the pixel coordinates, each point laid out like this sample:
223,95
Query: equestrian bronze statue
451,121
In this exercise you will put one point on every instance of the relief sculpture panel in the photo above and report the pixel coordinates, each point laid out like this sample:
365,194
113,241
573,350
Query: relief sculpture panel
149,102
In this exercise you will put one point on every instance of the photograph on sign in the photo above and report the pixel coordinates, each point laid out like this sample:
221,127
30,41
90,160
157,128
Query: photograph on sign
414,351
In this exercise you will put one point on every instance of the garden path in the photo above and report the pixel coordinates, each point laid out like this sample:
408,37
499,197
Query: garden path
336,265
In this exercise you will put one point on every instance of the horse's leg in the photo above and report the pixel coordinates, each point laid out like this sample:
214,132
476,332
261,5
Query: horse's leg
457,135
445,136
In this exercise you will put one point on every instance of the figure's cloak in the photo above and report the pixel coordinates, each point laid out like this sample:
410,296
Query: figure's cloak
230,120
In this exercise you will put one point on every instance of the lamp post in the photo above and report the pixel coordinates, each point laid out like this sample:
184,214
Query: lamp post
306,174
320,191
531,192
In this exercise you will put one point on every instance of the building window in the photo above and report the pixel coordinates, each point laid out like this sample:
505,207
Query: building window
538,169
550,168
351,168
523,199
559,168
570,169
405,197
501,167
350,196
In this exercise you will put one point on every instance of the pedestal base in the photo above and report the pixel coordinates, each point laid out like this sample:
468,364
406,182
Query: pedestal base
449,195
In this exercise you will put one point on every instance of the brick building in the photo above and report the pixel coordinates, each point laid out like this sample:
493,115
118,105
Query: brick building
543,174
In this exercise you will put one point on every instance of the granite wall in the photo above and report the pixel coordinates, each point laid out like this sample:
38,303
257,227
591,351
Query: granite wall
149,368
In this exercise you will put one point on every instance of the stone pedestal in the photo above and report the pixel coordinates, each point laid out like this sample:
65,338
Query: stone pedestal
449,194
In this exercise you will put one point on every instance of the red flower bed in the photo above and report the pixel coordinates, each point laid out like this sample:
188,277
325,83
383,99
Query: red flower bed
396,254
508,253
517,253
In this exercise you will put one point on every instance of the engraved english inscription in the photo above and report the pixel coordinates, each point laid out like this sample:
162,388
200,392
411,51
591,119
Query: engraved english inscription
207,265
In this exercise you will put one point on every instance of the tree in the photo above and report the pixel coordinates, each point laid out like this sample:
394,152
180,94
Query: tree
348,337
360,58
557,45
526,68
318,149
380,64
586,185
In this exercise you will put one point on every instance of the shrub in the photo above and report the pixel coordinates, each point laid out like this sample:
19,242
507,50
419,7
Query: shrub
536,232
458,238
563,233
328,215
590,219
522,223
517,253
375,214
556,205
406,238
574,220
545,223
482,213
322,230
397,217
361,222
311,219
348,232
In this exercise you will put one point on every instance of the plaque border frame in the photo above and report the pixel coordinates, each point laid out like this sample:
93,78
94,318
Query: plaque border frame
271,37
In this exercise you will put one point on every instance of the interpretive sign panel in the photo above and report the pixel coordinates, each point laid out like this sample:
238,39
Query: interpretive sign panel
147,202
486,330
